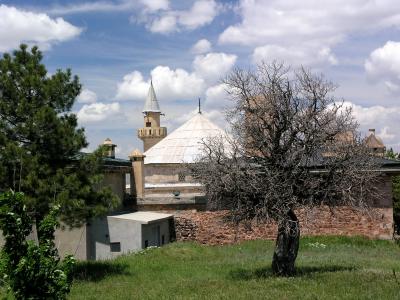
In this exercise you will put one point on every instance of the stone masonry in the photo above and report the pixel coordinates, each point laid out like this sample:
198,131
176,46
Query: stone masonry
212,228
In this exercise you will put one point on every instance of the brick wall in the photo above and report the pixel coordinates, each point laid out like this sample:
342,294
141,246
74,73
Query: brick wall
211,228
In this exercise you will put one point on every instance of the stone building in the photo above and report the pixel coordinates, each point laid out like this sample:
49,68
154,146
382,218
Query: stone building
123,230
166,186
158,182
375,143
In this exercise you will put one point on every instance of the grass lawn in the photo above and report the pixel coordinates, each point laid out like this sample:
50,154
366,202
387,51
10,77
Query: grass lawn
328,268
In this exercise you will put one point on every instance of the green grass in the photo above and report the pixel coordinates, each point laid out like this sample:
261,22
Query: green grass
346,268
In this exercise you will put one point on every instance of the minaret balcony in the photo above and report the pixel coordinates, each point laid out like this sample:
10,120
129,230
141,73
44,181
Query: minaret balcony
149,132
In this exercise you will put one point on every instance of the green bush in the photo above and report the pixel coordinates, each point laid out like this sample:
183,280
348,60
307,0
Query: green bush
396,203
32,270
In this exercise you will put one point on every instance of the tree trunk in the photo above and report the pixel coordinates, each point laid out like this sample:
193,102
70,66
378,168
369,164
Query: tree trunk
287,246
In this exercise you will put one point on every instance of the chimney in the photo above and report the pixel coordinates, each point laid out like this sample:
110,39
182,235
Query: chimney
137,180
109,148
372,131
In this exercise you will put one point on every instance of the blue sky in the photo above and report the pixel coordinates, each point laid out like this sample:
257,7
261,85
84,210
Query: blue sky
187,46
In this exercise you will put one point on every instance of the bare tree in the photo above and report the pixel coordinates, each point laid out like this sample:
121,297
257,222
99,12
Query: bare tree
292,146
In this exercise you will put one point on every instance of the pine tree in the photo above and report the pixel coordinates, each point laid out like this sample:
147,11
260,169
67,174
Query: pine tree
40,141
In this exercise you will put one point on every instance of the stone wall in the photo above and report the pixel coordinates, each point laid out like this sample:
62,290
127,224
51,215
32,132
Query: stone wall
165,173
212,228
194,223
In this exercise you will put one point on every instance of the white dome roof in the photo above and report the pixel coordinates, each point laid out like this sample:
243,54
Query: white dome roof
184,144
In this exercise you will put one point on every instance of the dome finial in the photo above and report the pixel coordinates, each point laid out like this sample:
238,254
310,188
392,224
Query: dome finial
199,106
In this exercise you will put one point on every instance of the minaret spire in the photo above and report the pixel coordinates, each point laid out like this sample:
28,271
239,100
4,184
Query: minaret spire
151,104
152,132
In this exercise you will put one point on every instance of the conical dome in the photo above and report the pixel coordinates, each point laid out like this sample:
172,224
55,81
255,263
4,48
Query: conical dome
184,144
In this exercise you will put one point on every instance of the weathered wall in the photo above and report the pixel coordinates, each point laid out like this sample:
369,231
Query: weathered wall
154,232
164,173
211,228
71,241
116,181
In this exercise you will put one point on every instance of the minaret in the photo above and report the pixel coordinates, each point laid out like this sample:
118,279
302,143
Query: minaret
151,133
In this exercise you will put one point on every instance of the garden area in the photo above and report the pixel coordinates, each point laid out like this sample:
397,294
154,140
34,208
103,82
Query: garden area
327,268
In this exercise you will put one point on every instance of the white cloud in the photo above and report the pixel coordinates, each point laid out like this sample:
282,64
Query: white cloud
169,85
164,24
298,25
200,14
89,7
109,6
383,65
154,5
386,135
213,66
19,26
97,112
177,84
132,87
217,97
294,56
201,46
383,119
87,96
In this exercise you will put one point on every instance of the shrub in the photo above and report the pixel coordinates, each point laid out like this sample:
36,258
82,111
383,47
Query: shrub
32,270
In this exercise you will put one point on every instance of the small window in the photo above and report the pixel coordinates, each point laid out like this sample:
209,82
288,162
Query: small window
127,182
181,177
148,124
115,247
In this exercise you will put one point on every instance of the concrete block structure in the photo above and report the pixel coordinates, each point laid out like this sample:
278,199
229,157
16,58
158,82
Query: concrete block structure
124,230
124,233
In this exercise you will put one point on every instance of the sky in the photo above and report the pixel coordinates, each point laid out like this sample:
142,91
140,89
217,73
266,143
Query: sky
187,46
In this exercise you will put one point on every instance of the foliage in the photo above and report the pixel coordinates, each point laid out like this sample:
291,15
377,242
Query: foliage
391,154
40,141
396,202
396,192
293,146
32,270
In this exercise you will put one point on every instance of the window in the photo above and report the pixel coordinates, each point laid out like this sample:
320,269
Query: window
181,177
162,240
148,124
115,247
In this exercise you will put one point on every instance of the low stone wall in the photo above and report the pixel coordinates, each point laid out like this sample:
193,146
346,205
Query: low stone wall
212,228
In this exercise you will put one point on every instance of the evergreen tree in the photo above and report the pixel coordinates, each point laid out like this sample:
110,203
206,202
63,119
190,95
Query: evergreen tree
396,192
40,141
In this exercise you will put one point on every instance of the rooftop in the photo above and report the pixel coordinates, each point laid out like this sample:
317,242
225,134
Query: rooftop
144,217
184,144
